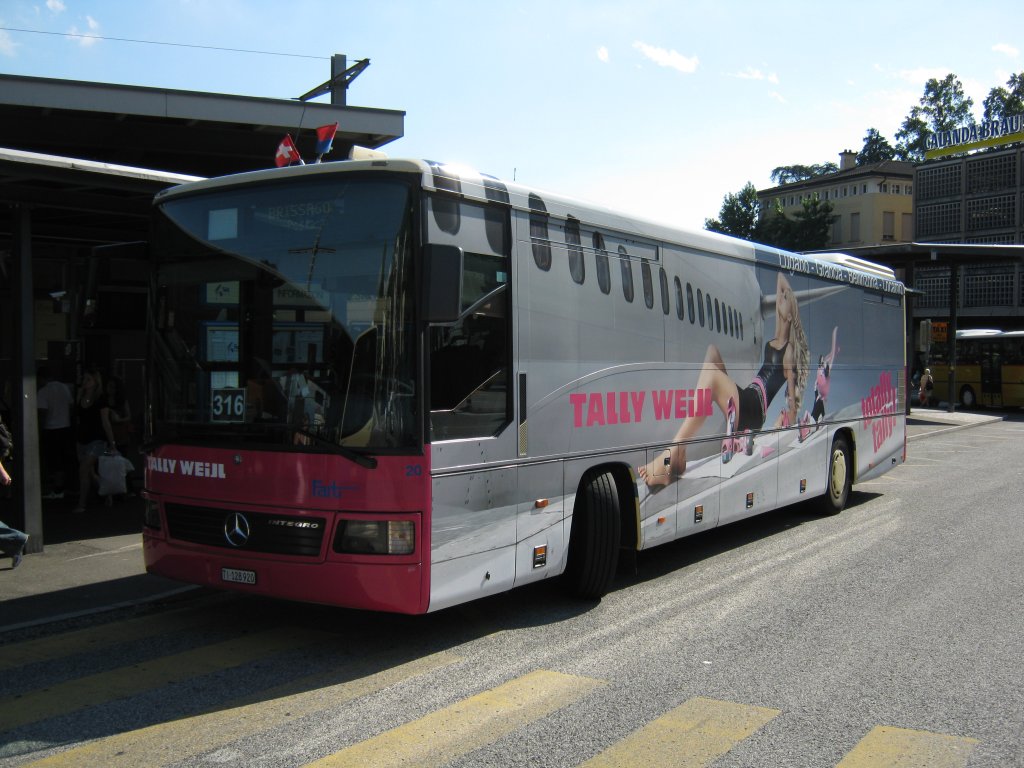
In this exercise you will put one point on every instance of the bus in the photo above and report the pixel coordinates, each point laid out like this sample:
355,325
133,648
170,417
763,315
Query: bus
989,368
400,385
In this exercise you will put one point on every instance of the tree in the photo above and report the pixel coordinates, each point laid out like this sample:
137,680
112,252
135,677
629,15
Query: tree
943,106
876,149
1004,102
787,174
739,214
808,230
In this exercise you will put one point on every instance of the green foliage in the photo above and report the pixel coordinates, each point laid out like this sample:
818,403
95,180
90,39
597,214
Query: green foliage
787,174
876,149
943,106
808,230
739,214
1004,102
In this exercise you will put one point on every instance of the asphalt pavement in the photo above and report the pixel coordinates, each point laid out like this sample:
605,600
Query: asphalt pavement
92,562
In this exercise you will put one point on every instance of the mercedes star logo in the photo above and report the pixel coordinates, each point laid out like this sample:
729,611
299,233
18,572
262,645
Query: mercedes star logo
236,529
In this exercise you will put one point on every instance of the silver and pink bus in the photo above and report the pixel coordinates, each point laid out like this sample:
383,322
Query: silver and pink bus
401,385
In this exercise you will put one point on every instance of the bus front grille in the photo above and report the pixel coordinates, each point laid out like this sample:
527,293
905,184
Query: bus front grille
246,531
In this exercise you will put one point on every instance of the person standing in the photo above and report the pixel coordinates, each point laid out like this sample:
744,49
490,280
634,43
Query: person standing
924,396
94,434
54,402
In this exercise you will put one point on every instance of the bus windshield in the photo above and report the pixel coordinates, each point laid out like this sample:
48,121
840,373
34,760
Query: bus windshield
283,317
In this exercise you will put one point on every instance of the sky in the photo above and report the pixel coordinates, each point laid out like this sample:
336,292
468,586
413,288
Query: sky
657,108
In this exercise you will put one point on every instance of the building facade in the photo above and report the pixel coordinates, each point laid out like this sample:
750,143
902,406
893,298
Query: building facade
975,200
871,204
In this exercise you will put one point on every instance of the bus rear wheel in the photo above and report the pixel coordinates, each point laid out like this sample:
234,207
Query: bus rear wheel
594,538
840,477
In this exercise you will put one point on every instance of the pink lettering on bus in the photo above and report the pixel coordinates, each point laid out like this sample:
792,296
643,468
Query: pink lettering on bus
598,409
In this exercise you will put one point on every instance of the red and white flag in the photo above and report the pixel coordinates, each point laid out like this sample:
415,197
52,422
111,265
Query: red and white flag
287,152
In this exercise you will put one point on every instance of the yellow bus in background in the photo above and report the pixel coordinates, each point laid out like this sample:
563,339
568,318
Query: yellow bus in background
989,368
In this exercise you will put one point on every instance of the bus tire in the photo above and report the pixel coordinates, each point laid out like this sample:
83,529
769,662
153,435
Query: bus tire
839,478
594,538
967,398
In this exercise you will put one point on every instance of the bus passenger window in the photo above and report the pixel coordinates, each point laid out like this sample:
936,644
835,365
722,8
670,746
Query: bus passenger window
679,299
627,274
689,303
648,282
700,307
718,318
663,281
539,233
469,394
604,276
577,268
710,312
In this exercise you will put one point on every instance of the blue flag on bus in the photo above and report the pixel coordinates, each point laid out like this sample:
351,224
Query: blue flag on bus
324,137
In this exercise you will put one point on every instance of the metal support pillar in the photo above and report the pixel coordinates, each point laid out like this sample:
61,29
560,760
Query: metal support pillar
27,490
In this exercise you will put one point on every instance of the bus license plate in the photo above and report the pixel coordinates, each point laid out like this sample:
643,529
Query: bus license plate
237,576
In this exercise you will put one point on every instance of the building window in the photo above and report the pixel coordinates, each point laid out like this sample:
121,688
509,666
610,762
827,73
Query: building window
888,225
943,181
837,229
854,227
997,212
907,227
938,219
864,189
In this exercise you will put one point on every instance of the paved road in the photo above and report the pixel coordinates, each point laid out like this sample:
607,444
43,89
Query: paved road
788,640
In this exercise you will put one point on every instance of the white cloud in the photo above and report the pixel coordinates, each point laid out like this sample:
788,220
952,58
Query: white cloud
7,46
665,58
778,97
602,54
1006,48
56,6
90,38
751,73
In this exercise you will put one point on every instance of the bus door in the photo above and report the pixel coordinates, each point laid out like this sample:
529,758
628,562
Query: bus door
991,364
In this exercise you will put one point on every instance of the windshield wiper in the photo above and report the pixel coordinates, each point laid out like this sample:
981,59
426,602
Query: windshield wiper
361,459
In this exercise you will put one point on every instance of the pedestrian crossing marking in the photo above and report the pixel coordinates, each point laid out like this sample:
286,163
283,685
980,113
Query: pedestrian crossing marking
18,655
887,747
460,728
168,743
692,735
92,690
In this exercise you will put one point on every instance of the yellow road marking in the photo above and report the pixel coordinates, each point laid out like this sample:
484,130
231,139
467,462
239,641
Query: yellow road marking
17,655
456,730
120,683
691,735
172,742
887,747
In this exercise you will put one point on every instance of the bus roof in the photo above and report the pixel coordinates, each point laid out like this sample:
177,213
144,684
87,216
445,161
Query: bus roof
469,183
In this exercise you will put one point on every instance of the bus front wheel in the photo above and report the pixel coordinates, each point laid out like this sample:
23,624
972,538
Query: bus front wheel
594,538
840,476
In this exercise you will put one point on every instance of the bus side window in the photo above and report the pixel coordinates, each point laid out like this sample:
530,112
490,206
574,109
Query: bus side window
648,283
604,277
577,268
700,307
627,274
539,233
689,304
680,313
469,361
663,283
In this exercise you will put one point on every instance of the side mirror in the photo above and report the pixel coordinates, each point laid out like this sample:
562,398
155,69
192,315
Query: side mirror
441,298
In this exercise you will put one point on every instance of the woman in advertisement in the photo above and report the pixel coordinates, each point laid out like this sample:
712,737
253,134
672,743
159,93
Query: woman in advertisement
785,362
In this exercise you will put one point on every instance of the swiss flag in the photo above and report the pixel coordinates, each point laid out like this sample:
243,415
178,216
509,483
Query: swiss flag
287,152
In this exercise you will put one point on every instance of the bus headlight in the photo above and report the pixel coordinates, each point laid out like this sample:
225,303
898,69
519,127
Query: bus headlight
375,537
151,514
